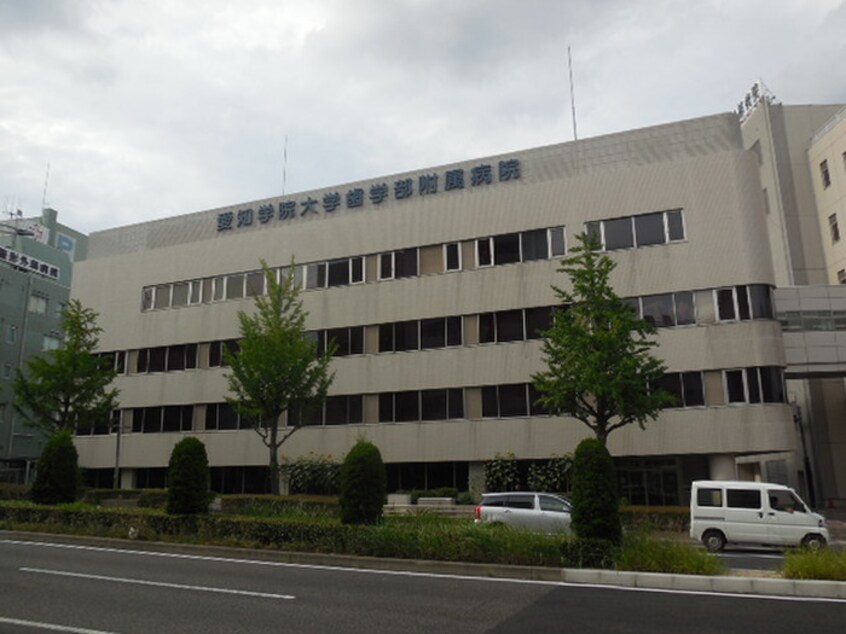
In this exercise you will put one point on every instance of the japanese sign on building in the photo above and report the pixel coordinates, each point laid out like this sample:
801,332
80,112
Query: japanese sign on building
25,262
374,195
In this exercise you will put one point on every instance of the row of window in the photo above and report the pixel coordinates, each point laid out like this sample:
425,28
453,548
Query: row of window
742,385
523,246
629,232
753,385
812,320
664,310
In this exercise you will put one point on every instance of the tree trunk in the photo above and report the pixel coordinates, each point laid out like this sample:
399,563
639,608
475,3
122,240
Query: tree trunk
273,445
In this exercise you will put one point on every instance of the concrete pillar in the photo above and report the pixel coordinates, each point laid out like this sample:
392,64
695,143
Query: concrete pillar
722,467
127,479
476,480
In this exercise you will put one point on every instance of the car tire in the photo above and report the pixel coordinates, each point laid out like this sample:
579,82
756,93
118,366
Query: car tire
714,541
813,542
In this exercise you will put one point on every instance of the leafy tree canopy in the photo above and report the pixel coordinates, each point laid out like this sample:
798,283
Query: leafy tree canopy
600,369
276,368
67,388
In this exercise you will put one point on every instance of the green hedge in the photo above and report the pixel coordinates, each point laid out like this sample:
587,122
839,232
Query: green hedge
674,519
270,505
434,540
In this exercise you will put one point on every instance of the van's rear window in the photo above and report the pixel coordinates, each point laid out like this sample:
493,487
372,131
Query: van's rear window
709,497
743,498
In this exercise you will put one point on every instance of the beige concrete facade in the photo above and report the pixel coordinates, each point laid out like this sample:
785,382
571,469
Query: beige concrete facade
700,167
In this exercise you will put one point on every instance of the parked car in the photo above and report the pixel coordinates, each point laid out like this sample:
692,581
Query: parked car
540,512
752,513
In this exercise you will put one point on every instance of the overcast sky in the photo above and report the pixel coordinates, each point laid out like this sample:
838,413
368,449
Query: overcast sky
151,108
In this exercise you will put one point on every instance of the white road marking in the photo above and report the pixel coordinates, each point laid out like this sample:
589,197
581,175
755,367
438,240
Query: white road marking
50,627
159,584
430,575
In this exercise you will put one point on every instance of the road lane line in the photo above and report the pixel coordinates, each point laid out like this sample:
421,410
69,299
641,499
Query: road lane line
50,626
159,584
429,575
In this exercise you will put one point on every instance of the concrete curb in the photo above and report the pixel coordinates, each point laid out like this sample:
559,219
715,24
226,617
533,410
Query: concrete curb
740,584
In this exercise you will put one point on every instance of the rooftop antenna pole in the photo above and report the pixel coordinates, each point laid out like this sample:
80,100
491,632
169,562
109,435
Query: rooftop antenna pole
572,95
44,195
285,166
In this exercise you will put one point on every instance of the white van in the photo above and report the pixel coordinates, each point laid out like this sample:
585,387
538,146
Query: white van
752,513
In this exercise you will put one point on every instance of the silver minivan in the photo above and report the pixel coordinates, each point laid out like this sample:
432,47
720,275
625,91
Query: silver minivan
723,512
540,512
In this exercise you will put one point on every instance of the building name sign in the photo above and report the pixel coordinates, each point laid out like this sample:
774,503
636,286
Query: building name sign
27,263
376,194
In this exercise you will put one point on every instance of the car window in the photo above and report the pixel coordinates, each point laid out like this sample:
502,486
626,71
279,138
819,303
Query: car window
781,500
743,498
521,501
493,501
549,503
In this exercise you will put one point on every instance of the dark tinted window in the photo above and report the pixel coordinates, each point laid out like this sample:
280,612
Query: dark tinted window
509,325
341,337
386,266
725,303
618,234
694,392
672,383
483,249
255,283
507,248
685,312
658,310
521,501
357,340
490,403
649,229
734,385
762,306
534,245
772,386
157,359
432,333
339,272
743,303
743,498
405,263
357,270
455,403
675,225
337,410
709,497
487,330
386,338
406,335
753,384
512,400
433,404
454,337
407,406
386,407
452,257
538,320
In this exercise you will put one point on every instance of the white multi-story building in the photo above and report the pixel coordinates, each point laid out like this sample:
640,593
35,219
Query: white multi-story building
435,284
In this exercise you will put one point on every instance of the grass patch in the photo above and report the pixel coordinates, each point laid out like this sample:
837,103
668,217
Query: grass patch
825,564
642,553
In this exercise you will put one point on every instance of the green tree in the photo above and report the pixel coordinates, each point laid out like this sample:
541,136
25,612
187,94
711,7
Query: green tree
188,478
364,485
600,369
596,511
57,478
67,388
277,368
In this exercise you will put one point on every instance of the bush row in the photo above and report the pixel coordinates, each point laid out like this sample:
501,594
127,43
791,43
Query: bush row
444,540
10,491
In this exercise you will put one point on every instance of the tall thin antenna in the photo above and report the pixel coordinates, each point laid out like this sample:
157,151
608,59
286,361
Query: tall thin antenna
46,180
285,166
572,95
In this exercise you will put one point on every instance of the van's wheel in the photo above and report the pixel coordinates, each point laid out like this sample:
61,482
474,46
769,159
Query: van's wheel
714,541
813,542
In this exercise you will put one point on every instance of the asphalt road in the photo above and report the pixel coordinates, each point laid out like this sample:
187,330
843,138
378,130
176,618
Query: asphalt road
100,590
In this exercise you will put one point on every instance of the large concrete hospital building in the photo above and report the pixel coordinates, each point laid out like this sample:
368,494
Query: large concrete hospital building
435,284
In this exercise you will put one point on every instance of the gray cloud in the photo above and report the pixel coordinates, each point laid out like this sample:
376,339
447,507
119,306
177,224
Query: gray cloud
150,108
